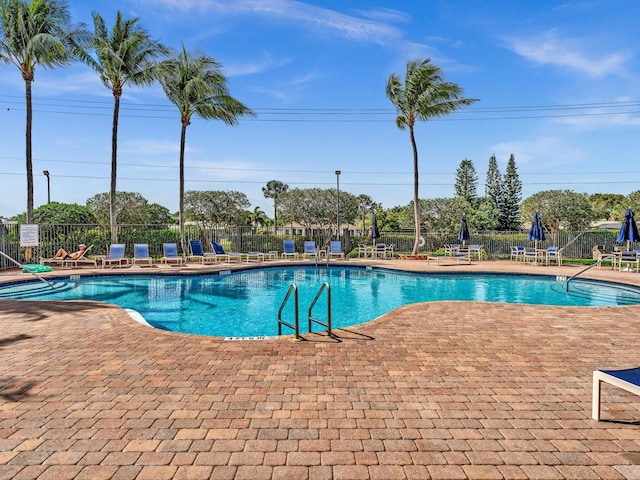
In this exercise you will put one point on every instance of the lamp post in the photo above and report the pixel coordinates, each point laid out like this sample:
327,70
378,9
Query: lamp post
46,174
338,172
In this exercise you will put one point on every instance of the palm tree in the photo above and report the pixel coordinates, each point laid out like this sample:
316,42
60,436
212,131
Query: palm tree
423,96
35,32
257,218
194,84
125,56
273,189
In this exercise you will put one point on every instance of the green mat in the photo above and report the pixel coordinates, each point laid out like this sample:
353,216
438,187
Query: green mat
35,267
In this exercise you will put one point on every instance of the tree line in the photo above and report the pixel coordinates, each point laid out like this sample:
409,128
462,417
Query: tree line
39,33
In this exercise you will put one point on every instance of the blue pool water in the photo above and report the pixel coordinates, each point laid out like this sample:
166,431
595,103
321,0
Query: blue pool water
246,303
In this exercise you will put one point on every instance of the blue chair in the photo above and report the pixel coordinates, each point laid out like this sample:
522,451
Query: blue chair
116,256
289,249
197,253
218,252
310,250
630,258
335,249
141,254
517,252
628,379
554,254
170,254
476,250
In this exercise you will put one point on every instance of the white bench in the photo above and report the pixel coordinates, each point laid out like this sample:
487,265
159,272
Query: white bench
628,379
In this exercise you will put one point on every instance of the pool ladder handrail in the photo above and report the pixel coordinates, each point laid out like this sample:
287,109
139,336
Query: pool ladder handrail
295,327
327,324
35,274
598,262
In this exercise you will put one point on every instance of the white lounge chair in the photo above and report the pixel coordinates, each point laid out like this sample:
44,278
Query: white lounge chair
628,379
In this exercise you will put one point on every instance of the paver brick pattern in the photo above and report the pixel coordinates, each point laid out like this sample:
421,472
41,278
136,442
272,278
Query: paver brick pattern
440,390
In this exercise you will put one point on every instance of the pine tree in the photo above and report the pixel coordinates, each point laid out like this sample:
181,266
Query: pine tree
510,215
494,188
467,182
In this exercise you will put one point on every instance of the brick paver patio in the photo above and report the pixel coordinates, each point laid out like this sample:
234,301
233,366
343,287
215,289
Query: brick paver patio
442,390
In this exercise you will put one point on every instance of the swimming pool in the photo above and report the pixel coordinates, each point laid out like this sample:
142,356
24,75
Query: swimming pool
245,303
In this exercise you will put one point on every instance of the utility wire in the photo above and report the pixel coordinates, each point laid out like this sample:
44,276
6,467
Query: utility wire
325,115
49,161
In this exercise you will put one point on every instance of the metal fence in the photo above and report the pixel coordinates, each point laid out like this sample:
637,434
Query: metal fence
246,239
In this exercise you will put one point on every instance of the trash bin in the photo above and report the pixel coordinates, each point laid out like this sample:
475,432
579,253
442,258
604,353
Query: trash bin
597,251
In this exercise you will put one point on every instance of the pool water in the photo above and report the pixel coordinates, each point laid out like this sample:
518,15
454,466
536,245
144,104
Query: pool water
246,303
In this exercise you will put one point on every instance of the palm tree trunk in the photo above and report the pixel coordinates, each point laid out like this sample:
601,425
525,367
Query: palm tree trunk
114,168
28,152
416,208
275,217
183,135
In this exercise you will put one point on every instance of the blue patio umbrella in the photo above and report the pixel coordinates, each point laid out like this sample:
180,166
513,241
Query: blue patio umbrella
463,233
628,229
536,232
375,233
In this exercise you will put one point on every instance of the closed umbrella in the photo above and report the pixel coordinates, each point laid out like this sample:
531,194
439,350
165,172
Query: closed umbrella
628,229
536,232
463,233
375,233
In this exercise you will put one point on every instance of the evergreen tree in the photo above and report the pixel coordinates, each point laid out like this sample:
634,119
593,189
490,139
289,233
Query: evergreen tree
510,215
467,182
493,188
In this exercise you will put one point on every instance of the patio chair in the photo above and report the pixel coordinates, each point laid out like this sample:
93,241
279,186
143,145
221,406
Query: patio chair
476,250
116,256
362,250
554,254
380,250
629,259
170,254
628,379
219,253
391,250
452,249
310,250
289,249
335,249
197,253
141,254
517,252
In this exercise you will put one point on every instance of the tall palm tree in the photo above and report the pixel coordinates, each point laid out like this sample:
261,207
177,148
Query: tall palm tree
423,96
273,189
195,84
35,32
125,56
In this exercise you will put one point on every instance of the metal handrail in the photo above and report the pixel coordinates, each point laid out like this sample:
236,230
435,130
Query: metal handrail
327,287
296,327
27,269
598,262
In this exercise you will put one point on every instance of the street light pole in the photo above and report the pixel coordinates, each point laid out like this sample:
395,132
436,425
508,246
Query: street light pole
338,172
46,174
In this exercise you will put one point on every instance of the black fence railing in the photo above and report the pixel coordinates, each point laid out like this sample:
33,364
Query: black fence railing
247,239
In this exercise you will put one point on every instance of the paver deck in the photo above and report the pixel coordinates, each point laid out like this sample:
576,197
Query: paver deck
439,390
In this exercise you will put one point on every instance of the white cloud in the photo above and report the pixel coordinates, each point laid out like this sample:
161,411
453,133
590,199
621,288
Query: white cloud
265,63
573,54
302,15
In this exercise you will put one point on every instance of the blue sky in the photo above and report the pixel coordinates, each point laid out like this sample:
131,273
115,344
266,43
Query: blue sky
557,82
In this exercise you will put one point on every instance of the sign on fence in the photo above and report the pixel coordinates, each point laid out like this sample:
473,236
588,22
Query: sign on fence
28,235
